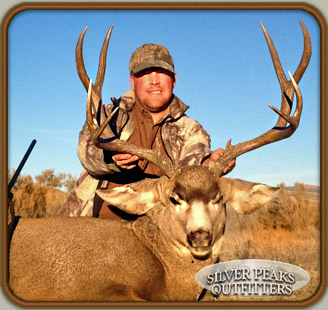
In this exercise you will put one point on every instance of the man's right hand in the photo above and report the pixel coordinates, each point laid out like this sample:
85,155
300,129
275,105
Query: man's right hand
126,161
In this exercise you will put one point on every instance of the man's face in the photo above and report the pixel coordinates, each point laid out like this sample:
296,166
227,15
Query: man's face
153,88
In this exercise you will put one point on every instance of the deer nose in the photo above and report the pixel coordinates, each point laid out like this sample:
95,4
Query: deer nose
200,238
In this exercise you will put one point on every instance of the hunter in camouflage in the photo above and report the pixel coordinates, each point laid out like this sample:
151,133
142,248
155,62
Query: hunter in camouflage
142,122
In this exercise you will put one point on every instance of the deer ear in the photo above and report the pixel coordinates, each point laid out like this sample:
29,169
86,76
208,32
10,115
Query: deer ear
247,197
136,198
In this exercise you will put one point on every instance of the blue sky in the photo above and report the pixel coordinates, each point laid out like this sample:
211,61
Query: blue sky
225,75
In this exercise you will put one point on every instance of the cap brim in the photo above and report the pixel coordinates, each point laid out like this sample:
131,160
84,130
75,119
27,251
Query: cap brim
153,64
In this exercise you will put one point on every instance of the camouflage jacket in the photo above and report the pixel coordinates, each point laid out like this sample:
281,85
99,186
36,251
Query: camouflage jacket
184,139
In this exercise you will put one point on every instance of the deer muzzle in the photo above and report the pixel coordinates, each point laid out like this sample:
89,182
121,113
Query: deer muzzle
200,242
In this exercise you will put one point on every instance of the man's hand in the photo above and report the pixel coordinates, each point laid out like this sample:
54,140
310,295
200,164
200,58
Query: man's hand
214,156
126,161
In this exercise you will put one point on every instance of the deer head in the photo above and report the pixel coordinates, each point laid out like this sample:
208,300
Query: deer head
193,199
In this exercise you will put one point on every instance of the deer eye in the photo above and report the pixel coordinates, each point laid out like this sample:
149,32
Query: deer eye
175,199
172,199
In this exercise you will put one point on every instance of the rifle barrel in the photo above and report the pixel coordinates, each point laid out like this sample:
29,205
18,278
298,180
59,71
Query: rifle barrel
21,165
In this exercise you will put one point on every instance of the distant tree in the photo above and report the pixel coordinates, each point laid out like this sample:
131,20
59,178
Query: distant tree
24,184
41,197
69,182
18,180
24,197
49,178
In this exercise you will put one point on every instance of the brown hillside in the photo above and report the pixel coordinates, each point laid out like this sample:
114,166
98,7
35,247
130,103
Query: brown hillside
287,230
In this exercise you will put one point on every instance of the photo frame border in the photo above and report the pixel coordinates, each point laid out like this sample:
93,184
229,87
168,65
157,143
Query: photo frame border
164,6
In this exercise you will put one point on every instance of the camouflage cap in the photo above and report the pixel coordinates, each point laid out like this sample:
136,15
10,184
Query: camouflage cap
151,55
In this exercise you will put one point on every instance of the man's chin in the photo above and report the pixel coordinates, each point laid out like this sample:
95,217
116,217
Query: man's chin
157,105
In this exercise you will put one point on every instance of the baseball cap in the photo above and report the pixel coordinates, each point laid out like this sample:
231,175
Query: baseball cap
151,55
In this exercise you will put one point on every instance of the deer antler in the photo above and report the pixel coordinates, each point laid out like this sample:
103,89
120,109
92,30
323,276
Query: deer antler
280,130
97,88
117,145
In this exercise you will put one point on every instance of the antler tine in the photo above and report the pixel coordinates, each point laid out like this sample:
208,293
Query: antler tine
117,145
275,58
102,62
96,94
287,89
292,120
307,51
279,131
79,60
96,131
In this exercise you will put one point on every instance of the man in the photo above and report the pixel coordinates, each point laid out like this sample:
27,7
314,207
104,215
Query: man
149,112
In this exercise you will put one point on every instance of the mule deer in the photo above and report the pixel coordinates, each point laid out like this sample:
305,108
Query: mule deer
180,226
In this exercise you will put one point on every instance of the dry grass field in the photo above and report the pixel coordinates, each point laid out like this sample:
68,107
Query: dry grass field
285,230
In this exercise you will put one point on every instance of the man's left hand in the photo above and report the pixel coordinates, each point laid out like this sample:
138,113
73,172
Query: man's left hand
214,157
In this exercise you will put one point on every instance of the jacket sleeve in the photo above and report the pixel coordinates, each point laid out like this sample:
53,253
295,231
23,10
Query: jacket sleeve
196,146
189,144
95,161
